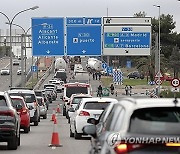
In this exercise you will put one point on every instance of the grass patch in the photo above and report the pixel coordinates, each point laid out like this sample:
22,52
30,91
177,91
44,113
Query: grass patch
106,81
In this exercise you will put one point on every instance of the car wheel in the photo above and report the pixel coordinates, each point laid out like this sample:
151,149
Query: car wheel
19,139
36,123
45,116
71,133
13,143
26,130
68,120
77,135
39,119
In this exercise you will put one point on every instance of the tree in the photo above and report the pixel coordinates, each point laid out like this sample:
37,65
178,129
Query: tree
175,61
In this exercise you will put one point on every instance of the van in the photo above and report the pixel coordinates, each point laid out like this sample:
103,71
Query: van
61,75
74,88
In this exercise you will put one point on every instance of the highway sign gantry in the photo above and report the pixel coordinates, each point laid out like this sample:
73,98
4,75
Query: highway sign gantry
83,36
175,82
48,39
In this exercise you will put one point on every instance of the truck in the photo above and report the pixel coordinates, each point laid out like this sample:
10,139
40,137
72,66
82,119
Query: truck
60,64
94,65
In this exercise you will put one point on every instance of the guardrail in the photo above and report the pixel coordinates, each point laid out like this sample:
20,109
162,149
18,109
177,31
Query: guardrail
44,77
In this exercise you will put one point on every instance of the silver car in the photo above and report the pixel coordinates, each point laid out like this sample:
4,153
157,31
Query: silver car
42,106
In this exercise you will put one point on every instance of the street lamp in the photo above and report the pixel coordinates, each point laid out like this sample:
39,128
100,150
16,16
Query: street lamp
23,80
159,48
10,21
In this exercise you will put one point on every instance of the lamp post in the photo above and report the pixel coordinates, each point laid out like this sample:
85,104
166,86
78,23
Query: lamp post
23,47
159,48
10,21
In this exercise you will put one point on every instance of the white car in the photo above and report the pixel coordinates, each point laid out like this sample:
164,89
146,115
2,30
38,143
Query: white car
42,107
87,108
5,71
16,62
19,71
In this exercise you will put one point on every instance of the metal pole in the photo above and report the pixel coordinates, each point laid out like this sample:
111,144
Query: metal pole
25,58
159,90
22,63
11,72
32,72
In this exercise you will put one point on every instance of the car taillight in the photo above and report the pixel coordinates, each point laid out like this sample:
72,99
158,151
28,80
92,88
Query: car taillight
7,113
123,148
84,113
24,111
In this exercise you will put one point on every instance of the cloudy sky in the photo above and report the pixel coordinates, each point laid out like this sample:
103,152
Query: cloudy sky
85,8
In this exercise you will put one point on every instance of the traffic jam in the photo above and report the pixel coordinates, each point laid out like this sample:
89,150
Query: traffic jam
108,124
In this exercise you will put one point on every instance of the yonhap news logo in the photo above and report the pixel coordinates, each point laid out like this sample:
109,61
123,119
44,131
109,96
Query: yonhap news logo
116,138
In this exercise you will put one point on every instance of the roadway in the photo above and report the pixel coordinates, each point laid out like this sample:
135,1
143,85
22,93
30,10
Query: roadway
37,141
16,79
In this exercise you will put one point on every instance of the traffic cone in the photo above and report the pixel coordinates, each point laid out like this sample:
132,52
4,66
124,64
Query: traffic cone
55,136
53,115
58,110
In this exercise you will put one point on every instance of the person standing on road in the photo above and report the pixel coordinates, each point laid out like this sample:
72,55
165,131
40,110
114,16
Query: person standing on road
99,91
130,90
126,89
96,75
112,89
99,75
93,76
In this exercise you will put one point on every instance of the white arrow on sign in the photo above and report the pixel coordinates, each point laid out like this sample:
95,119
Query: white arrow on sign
84,51
48,52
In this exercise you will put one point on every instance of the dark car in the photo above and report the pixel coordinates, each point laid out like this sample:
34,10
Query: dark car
9,122
142,125
135,75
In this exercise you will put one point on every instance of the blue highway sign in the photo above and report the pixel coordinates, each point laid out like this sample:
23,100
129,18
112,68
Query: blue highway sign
48,36
34,68
109,70
83,36
104,65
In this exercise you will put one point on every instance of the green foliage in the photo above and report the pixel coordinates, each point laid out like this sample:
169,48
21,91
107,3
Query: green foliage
169,94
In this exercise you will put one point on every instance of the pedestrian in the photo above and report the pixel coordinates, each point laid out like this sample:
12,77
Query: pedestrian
99,75
99,91
93,76
96,75
112,89
130,89
126,89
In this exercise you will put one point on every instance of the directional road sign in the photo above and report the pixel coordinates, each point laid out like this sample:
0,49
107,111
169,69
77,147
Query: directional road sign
104,65
34,68
83,36
109,70
175,82
127,36
48,36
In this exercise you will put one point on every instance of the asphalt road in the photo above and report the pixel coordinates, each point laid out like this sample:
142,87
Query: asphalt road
37,141
16,79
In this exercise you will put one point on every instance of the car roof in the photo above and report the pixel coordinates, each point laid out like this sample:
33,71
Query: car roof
99,99
81,95
149,102
21,91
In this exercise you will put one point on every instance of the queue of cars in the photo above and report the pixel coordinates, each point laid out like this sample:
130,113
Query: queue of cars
18,108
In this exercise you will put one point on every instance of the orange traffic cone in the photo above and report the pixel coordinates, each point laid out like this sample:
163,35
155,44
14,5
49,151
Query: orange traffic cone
55,136
53,115
58,110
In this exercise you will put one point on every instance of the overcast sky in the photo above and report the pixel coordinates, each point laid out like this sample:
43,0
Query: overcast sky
86,8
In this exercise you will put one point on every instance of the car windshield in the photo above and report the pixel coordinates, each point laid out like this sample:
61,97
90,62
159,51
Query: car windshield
29,98
2,101
16,102
156,121
96,105
38,93
76,90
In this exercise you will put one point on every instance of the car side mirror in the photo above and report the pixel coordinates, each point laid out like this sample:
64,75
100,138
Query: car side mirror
18,107
71,109
61,97
68,103
90,130
92,121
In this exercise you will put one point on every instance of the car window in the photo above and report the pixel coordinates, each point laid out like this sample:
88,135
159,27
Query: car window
96,105
118,120
3,101
16,102
156,121
29,98
108,121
